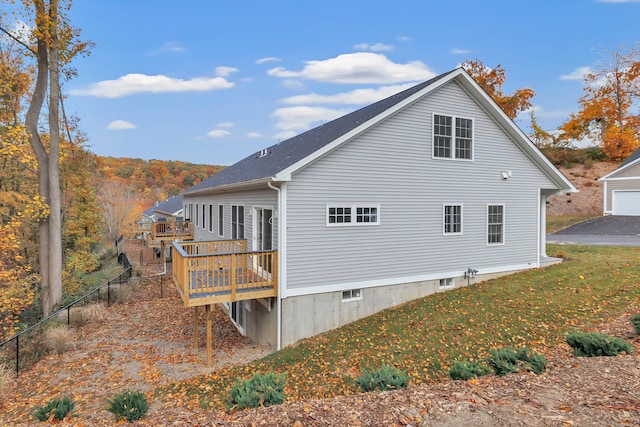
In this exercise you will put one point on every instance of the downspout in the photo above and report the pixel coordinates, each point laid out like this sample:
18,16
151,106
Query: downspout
281,258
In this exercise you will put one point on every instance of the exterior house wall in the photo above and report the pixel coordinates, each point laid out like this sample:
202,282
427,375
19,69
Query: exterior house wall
628,179
619,184
391,165
266,198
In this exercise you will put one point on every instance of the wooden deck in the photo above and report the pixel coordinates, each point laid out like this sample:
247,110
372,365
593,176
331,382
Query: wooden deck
171,230
223,271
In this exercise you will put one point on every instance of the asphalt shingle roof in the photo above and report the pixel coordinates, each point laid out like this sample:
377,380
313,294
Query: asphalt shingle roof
634,156
286,153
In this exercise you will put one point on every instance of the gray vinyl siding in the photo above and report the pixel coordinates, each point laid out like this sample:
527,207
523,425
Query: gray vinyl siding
632,172
258,198
391,166
617,185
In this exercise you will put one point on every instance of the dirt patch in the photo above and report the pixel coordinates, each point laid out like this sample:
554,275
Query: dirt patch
589,199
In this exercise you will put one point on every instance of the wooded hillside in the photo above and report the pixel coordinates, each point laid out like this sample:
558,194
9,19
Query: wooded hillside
151,180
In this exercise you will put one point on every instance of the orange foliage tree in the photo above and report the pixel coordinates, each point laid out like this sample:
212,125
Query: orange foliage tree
607,114
491,80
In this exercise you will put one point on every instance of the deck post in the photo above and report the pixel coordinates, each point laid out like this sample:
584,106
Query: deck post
209,309
196,336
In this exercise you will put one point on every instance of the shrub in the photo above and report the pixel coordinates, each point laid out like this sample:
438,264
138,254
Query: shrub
635,322
466,370
591,344
260,390
57,408
57,339
385,378
130,405
507,360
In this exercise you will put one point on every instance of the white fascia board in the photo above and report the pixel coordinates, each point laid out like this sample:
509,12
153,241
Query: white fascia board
617,171
230,187
285,174
519,137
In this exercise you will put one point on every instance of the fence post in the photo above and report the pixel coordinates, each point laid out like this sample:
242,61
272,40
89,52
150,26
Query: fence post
68,315
109,293
17,354
161,280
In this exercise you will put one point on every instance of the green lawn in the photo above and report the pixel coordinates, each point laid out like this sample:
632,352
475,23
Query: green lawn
534,308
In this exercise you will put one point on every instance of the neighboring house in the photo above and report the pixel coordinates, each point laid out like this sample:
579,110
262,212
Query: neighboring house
427,190
170,208
622,187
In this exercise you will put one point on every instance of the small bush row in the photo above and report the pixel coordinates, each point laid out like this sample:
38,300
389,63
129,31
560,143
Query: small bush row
129,405
501,361
593,344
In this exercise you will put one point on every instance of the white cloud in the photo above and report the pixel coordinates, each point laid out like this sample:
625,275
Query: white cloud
267,59
225,71
358,96
254,135
456,51
132,84
169,47
376,47
360,67
225,125
120,125
292,84
218,133
577,74
404,38
619,1
301,118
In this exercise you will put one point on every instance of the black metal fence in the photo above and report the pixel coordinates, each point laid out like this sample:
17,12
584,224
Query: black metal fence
10,349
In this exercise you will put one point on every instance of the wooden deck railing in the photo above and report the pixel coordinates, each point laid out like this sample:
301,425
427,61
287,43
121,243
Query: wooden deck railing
172,230
223,271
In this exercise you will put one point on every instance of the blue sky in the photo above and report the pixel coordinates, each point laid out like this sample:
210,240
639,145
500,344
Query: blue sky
212,82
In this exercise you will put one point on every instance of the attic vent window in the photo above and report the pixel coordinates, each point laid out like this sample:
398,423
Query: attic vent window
264,152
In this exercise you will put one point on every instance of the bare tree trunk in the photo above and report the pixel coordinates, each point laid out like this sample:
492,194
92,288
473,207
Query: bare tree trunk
55,217
31,122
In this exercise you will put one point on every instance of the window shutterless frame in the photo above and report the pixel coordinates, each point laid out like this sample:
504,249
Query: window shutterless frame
340,214
495,224
452,137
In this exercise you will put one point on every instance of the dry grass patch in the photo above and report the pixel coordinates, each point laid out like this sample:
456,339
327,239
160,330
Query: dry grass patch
93,313
7,382
57,339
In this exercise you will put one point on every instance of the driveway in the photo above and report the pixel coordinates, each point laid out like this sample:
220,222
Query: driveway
611,230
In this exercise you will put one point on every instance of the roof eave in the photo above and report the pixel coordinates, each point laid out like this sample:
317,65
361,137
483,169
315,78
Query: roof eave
516,133
229,187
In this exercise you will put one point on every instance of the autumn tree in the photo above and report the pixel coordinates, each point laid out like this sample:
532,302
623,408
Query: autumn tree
119,205
52,44
607,113
491,80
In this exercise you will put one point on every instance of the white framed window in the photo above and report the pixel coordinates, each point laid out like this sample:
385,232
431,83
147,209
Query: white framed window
204,216
210,218
353,215
451,219
352,295
221,220
237,222
197,214
446,283
452,137
495,224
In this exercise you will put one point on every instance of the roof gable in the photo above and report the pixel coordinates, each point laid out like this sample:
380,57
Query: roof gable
628,163
279,161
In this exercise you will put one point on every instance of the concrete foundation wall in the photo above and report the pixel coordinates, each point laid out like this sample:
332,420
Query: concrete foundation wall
309,315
